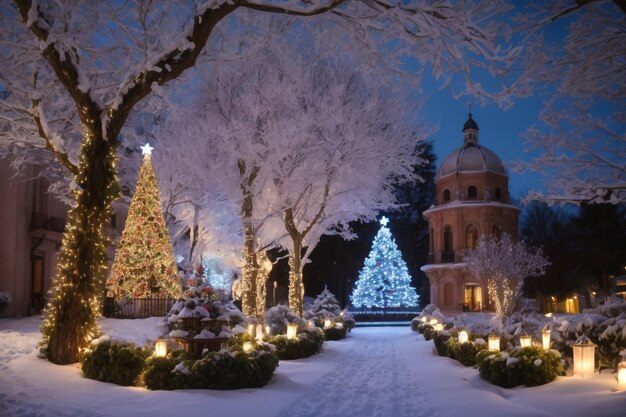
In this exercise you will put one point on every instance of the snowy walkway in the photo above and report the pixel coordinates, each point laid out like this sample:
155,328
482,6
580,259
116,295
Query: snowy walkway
375,372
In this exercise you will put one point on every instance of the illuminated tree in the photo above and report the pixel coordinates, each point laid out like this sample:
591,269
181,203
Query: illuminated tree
504,265
384,280
144,263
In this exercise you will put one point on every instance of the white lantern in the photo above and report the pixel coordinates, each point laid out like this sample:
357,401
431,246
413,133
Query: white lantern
545,338
438,327
247,346
463,336
423,319
339,325
259,332
268,330
327,323
160,347
292,330
525,341
494,343
621,375
584,357
432,322
311,324
250,330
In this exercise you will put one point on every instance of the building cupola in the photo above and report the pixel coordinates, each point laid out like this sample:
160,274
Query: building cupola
470,131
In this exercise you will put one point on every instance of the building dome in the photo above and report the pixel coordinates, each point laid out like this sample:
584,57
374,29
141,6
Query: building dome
471,157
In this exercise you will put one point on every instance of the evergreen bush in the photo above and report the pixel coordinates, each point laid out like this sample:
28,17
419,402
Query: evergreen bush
335,333
114,361
530,366
306,344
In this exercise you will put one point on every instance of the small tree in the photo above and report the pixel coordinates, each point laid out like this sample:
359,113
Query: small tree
384,280
504,264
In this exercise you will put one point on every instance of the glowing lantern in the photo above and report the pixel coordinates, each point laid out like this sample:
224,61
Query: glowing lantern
339,325
584,357
525,341
494,343
259,332
463,336
311,324
292,330
327,323
250,330
438,327
621,375
545,338
160,347
433,322
247,346
268,330
423,319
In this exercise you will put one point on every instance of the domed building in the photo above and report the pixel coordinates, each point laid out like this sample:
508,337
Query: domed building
472,201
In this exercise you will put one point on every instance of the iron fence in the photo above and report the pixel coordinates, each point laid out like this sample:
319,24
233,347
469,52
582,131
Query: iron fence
362,314
137,308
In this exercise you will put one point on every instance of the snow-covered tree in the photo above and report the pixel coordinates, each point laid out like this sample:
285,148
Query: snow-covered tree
74,70
504,265
384,280
580,142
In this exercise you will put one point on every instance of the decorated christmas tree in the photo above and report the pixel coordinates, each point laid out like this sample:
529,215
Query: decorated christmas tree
384,280
144,263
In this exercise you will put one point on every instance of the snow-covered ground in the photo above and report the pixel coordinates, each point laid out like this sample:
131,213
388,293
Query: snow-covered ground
376,371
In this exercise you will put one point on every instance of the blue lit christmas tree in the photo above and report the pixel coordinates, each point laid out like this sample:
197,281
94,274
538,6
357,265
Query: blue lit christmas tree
384,280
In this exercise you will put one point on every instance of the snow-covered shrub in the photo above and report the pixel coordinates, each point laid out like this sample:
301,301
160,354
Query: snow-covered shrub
226,369
279,316
528,366
335,332
326,306
308,343
441,339
114,361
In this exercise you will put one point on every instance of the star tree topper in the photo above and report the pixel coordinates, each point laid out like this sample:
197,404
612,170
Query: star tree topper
146,149
384,221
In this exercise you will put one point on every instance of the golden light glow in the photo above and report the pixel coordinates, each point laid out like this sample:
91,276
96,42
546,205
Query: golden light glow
251,328
494,343
160,348
463,336
545,338
438,327
292,331
328,323
584,357
621,375
525,341
248,347
259,332
423,319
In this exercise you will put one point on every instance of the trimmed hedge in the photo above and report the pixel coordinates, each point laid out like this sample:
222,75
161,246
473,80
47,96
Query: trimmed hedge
530,366
114,361
306,344
222,370
334,333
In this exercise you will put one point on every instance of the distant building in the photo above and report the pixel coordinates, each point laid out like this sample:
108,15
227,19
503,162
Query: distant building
472,200
32,223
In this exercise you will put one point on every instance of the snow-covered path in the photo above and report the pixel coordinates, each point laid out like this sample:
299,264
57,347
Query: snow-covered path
372,378
375,372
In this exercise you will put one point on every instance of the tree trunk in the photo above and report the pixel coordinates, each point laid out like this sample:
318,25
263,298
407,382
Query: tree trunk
70,317
249,274
296,287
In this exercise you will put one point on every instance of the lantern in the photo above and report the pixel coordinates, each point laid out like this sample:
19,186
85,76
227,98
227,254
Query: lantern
327,323
160,347
584,357
423,319
463,336
250,330
438,327
432,322
247,346
545,338
525,341
292,330
311,324
494,343
621,375
259,332
339,325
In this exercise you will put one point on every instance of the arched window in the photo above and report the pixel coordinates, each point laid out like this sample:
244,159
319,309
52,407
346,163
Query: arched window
471,236
496,230
472,193
447,239
446,196
447,293
498,194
